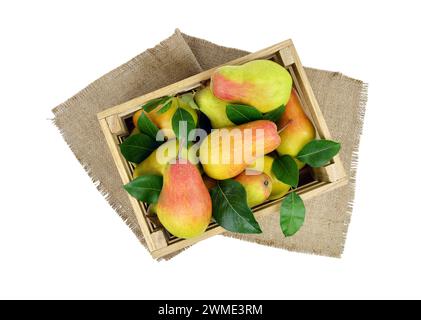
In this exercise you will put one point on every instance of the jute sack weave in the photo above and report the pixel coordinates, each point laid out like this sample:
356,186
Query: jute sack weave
341,99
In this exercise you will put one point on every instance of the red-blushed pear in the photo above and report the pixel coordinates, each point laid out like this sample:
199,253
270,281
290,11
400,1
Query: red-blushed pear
163,120
279,189
296,128
184,205
258,187
263,84
225,153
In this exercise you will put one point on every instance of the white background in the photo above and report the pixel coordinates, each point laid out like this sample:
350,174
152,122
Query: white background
60,239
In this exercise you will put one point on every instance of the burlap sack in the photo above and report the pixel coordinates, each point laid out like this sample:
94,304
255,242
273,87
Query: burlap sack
341,99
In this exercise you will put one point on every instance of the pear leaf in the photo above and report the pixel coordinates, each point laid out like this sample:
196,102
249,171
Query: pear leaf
145,188
317,153
152,104
285,169
292,214
182,123
137,147
167,105
147,126
240,114
274,115
188,98
230,210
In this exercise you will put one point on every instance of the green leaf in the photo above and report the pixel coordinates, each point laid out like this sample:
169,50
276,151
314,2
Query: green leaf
240,114
293,213
188,98
138,147
182,119
274,115
285,169
147,126
152,104
145,188
230,210
317,153
166,106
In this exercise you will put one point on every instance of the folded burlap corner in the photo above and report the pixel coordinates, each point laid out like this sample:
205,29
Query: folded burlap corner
341,99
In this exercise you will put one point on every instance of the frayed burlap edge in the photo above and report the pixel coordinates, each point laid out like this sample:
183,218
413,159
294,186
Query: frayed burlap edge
132,224
352,179
127,218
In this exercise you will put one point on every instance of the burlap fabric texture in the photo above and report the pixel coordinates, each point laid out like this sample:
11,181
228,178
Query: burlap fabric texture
341,99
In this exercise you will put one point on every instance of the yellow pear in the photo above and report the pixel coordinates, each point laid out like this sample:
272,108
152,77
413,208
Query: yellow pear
213,108
258,187
156,162
263,84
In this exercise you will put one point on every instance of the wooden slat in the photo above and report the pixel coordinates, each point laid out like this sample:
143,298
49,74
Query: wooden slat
305,195
317,115
329,177
286,56
329,173
116,125
159,240
125,175
131,106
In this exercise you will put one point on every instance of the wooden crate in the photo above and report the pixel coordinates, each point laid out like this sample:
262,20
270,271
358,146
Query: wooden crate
114,121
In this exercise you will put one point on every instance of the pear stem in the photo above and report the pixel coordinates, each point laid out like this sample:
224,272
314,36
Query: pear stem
180,148
285,126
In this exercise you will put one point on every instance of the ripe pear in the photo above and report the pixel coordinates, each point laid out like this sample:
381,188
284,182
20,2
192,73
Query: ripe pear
258,187
184,205
296,129
156,162
164,120
279,189
213,108
263,84
225,153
